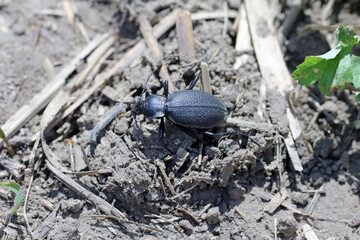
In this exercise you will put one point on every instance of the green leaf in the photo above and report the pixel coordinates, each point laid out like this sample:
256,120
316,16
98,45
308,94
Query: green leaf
332,53
2,134
13,186
345,36
327,77
343,75
320,68
334,70
355,62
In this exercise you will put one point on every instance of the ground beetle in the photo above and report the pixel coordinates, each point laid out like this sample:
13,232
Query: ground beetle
187,108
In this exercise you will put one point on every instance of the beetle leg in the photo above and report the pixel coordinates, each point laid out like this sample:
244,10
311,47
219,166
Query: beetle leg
233,133
161,134
148,93
193,82
166,88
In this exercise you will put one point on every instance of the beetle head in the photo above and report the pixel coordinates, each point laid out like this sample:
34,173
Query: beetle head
138,107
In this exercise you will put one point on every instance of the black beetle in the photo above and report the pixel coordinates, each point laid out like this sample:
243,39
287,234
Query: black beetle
187,108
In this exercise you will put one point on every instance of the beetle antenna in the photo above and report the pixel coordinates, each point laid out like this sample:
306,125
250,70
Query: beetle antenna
142,93
147,80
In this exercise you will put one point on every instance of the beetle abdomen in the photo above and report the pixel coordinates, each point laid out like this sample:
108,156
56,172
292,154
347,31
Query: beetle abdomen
195,109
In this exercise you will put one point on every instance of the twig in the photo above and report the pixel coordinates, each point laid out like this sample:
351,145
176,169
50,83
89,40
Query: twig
307,29
313,120
204,210
185,191
267,47
293,154
314,201
212,15
294,124
98,67
154,46
226,18
330,118
92,61
246,219
49,114
92,172
71,153
205,79
69,11
200,153
291,17
120,220
43,229
50,12
72,14
268,196
82,30
275,202
216,52
189,214
185,37
105,120
243,39
309,233
162,187
96,200
279,162
265,127
179,229
86,159
49,67
8,145
325,19
137,152
167,180
32,157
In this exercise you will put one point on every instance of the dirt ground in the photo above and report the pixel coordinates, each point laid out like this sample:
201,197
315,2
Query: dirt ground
205,187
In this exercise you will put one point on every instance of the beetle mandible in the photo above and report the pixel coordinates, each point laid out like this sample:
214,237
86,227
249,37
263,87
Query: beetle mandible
187,108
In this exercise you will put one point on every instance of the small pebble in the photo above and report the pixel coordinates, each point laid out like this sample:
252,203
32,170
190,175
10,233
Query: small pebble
341,179
75,205
217,231
186,225
121,126
287,227
236,191
355,187
299,198
323,147
213,216
316,178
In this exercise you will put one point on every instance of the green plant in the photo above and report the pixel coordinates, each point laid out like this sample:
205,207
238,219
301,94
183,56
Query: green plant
3,137
335,70
13,186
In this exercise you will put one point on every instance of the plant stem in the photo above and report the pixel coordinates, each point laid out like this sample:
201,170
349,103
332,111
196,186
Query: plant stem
9,147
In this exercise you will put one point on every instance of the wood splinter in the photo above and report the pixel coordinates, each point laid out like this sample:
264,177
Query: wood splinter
185,37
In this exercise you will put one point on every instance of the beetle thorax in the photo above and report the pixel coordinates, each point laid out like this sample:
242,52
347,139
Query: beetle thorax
154,106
